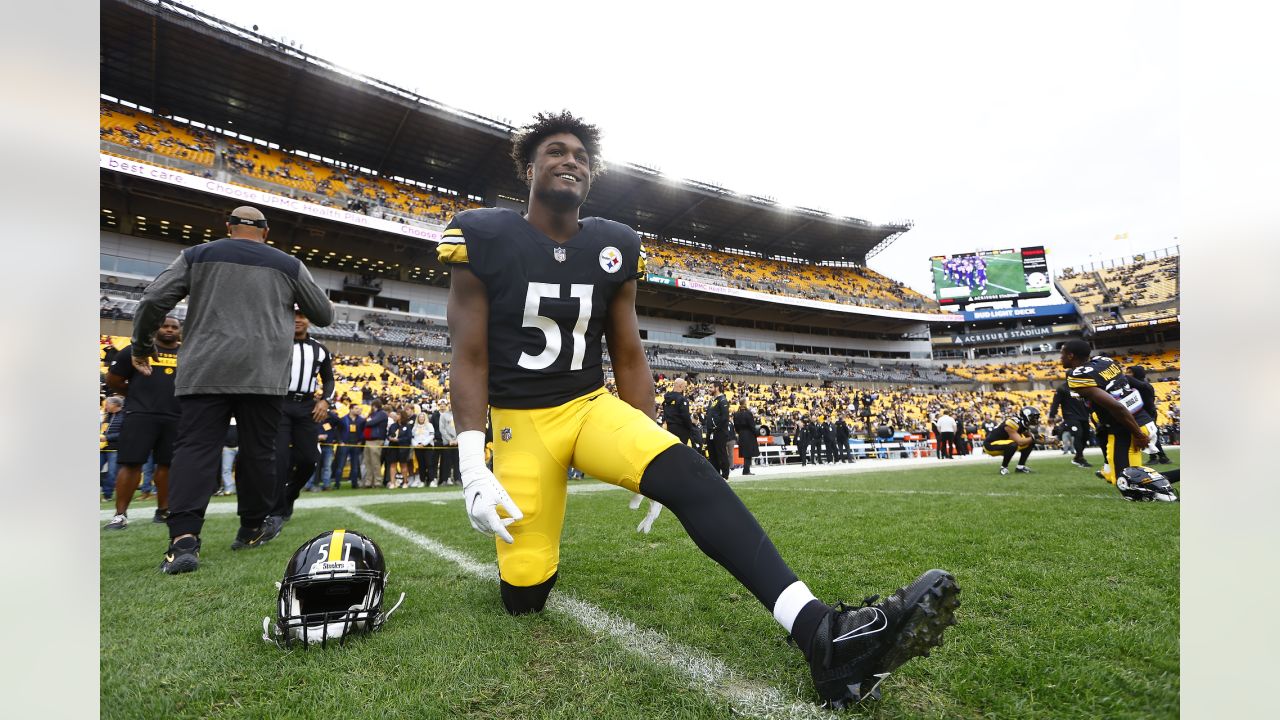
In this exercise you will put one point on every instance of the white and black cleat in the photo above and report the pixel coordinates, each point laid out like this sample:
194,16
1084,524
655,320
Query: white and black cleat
856,648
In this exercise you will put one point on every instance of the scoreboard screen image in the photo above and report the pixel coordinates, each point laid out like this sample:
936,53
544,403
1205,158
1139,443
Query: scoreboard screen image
990,275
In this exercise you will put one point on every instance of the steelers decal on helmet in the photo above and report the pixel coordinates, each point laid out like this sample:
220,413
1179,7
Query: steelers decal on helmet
611,259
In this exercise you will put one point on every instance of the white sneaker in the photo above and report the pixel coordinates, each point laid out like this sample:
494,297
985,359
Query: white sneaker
119,522
434,483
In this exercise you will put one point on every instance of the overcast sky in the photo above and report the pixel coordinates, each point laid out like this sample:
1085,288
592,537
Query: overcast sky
988,123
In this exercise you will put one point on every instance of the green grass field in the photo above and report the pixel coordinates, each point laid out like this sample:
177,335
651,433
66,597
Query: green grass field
1004,275
1070,609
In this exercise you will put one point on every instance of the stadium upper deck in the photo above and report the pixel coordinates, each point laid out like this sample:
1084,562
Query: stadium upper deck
162,56
1135,292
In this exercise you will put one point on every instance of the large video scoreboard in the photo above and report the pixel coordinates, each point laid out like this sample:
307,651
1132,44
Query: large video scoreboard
990,275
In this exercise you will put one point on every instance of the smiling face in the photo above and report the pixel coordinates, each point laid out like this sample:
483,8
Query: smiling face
560,173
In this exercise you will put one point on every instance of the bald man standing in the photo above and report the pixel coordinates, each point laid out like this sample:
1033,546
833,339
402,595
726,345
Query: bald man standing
235,363
675,411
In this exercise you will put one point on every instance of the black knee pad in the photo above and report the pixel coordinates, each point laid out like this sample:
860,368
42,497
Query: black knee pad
521,600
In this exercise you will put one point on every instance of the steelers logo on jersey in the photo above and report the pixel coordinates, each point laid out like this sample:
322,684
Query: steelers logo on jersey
611,259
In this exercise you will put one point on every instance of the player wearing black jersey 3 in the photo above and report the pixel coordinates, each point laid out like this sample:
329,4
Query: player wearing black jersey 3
1101,382
530,300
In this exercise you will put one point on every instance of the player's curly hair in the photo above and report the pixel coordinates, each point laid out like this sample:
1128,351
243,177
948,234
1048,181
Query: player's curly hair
546,124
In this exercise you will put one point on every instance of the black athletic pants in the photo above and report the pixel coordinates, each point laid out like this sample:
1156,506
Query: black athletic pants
423,457
1079,434
718,452
197,458
1022,454
717,521
297,452
947,444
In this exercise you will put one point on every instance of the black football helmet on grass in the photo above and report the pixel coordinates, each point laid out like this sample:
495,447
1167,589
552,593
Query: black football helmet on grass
1143,484
332,589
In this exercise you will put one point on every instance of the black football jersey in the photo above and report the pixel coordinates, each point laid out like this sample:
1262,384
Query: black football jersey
1103,372
548,301
1001,431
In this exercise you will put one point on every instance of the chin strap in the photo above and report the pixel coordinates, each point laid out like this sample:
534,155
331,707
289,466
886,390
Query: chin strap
387,614
266,632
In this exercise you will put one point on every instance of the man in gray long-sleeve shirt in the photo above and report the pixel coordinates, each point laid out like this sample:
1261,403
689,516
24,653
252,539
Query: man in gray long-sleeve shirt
235,362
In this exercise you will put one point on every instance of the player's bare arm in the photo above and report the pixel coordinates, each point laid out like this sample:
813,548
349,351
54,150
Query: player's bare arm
1102,399
1018,438
468,315
630,366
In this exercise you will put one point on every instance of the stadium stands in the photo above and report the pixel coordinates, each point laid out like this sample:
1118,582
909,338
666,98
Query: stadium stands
332,185
1136,291
854,285
328,184
150,133
1158,362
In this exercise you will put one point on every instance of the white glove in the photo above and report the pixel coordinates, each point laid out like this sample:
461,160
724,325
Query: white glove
655,507
481,490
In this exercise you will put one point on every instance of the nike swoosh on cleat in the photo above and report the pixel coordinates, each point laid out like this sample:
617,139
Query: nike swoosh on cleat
880,618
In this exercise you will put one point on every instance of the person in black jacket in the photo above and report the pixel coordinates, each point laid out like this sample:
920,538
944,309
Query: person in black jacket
675,411
716,423
1138,379
829,440
843,453
1076,416
802,440
744,424
350,446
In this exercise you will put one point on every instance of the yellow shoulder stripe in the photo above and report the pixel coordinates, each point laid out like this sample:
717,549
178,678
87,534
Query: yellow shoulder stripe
453,232
452,253
1081,382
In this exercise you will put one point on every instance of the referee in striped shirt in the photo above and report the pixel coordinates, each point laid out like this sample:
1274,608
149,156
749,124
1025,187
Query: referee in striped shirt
297,444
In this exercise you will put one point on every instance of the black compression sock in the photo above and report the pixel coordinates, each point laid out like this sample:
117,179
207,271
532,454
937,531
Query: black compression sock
717,521
806,625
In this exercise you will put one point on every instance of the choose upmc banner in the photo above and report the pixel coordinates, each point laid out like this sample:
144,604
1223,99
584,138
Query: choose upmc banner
250,196
990,275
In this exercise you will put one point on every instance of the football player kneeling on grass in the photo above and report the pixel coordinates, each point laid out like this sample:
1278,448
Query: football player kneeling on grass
1016,435
531,298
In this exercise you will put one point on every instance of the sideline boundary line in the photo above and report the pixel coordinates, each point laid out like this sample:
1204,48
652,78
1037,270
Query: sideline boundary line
703,672
760,474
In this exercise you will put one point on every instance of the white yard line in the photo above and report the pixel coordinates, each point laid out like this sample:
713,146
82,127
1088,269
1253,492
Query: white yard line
705,673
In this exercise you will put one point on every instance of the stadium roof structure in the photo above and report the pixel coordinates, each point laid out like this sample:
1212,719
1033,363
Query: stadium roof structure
179,61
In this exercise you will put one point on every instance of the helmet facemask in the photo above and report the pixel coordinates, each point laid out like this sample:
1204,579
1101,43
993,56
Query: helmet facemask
317,608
